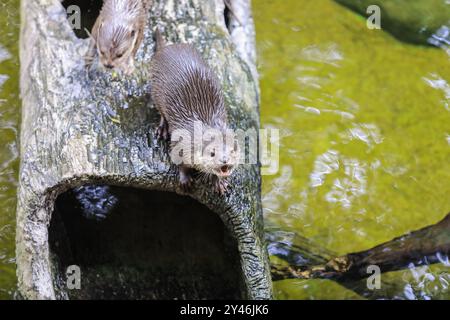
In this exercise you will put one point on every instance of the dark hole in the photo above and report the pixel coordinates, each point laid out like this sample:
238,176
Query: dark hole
88,13
137,244
226,15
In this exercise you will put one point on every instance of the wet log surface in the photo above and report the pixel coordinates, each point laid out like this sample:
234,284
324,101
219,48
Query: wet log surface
81,129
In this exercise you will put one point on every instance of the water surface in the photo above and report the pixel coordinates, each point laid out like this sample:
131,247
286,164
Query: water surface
364,122
9,135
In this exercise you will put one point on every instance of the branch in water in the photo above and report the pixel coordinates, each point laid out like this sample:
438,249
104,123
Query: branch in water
425,246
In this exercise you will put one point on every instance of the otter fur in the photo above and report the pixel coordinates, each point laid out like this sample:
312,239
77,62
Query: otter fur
118,33
187,92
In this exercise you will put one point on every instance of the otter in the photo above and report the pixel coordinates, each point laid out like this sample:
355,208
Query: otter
118,33
186,93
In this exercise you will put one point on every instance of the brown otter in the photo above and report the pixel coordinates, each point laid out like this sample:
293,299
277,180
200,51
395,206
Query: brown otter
118,33
187,93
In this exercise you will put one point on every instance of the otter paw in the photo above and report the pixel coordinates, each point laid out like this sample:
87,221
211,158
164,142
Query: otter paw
128,71
221,186
162,133
129,68
185,181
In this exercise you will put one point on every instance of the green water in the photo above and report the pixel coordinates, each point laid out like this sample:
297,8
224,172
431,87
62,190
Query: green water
9,139
364,121
365,136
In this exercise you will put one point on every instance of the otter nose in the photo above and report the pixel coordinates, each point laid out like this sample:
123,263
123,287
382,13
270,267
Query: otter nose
109,66
224,169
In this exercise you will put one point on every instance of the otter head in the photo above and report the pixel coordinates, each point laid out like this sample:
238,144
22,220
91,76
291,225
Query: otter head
115,44
219,156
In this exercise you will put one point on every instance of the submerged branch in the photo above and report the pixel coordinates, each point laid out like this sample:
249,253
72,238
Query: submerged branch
425,246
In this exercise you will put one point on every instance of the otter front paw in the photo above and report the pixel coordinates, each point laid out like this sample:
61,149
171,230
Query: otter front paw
128,70
185,180
162,133
221,186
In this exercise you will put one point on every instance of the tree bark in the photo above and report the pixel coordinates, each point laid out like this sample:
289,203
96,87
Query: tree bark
100,129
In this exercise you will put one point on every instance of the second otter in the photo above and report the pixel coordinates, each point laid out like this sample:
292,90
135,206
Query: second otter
187,92
118,33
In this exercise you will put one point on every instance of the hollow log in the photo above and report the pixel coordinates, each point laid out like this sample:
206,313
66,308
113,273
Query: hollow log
425,246
90,138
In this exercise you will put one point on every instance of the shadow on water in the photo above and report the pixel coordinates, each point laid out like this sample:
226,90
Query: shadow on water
138,244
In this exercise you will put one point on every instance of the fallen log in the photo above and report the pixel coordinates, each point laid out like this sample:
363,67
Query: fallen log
97,133
425,246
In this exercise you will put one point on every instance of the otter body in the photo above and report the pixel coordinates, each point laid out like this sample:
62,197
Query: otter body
187,92
118,33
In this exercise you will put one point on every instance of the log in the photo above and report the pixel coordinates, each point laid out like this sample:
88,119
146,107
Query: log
89,141
425,246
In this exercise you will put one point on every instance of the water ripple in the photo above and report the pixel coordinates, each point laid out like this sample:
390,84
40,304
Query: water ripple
329,54
4,54
437,82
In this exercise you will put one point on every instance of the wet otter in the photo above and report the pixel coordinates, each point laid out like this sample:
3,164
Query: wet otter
118,33
187,93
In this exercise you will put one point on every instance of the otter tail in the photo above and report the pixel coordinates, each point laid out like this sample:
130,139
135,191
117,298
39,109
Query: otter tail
160,43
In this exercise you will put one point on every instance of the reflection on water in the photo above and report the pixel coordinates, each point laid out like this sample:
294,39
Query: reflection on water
436,82
328,53
441,38
366,157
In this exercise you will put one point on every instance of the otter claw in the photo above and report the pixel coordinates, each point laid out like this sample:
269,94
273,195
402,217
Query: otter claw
162,132
221,186
185,181
128,70
186,185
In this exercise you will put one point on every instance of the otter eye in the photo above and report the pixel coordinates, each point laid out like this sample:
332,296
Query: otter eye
133,33
119,55
213,154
